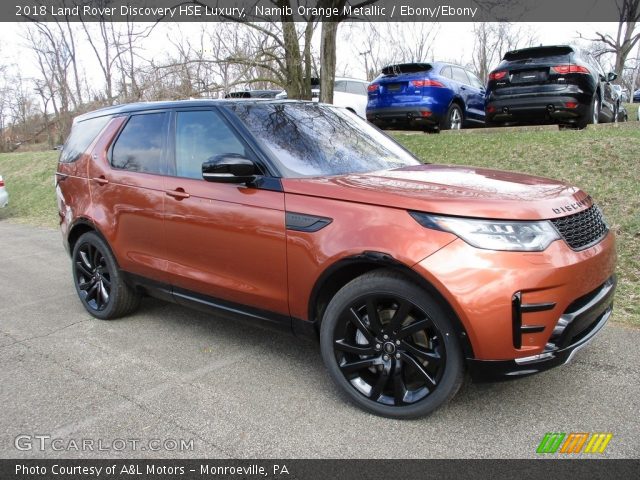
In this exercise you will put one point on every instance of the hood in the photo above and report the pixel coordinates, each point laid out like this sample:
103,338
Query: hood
451,190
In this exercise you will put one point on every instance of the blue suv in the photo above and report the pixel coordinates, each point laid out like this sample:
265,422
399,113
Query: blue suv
433,96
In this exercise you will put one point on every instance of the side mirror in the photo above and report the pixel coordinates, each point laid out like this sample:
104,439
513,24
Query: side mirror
229,168
611,76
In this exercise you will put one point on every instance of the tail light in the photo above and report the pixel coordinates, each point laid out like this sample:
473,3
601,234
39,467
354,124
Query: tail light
497,75
564,69
571,104
374,87
426,83
1,182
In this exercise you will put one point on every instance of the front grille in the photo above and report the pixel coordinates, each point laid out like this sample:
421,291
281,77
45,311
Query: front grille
583,229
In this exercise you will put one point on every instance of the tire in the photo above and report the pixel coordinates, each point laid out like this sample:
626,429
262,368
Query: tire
98,280
593,114
454,118
415,369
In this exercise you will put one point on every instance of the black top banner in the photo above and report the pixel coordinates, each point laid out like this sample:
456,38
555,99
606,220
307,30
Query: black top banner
320,10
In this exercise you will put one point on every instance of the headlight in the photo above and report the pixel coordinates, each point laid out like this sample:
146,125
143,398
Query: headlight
520,236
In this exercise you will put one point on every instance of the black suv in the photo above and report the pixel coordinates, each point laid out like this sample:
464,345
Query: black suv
554,84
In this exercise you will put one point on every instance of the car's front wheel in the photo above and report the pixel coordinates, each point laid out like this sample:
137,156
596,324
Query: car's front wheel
390,347
99,282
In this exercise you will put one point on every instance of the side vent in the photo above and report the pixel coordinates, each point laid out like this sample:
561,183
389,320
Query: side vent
517,310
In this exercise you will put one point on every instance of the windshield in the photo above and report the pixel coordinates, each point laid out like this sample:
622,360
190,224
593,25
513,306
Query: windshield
307,139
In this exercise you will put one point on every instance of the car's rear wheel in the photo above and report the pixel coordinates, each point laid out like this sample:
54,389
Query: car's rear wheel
390,347
593,114
99,282
453,119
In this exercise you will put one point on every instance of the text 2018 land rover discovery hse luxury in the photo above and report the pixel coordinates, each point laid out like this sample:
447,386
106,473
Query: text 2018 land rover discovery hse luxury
306,215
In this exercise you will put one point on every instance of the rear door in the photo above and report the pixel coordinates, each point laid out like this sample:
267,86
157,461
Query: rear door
351,94
127,192
225,241
475,98
469,93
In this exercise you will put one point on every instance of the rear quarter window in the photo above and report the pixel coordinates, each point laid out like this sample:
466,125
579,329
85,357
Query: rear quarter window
82,135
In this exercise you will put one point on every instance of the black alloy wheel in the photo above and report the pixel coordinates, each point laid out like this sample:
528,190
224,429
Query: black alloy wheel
92,276
99,282
390,346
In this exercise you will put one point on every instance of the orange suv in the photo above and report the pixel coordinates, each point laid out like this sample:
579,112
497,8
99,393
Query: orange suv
306,216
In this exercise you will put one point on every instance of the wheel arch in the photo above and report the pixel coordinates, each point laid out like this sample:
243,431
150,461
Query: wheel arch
81,226
458,100
343,271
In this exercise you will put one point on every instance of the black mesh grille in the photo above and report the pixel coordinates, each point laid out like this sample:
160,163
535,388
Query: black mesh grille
582,229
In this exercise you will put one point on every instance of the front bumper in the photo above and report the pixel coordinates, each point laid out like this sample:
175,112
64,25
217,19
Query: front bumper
550,290
575,330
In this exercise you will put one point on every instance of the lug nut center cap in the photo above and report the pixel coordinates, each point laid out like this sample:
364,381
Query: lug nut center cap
389,348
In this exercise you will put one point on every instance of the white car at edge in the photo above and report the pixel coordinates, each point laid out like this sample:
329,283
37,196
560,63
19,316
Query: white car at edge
4,195
349,93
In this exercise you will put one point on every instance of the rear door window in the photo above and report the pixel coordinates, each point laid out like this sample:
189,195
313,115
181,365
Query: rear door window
140,147
82,135
200,136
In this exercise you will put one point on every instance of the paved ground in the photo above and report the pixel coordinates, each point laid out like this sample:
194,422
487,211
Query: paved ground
241,391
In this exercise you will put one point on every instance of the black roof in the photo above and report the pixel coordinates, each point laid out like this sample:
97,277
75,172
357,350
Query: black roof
163,105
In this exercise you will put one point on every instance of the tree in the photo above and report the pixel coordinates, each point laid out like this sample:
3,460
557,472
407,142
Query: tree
627,34
384,44
492,40
328,36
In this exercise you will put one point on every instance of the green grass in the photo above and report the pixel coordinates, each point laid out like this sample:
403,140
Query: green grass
29,181
604,162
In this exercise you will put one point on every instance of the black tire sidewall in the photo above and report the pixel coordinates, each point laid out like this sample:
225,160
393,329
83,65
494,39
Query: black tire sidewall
446,125
114,273
588,118
403,288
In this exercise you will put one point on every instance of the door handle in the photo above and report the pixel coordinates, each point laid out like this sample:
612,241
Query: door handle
463,88
178,193
100,180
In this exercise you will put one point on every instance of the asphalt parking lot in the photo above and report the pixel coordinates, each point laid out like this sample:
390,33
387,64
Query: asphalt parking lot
241,391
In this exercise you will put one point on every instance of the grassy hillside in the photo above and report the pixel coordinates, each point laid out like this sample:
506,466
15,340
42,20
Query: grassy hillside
29,181
604,161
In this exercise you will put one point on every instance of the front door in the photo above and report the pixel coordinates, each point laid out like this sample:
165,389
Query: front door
225,241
